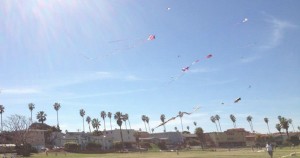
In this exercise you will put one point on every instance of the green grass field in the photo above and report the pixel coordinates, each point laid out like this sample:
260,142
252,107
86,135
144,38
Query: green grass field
220,153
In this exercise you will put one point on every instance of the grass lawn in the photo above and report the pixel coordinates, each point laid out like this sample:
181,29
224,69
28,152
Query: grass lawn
220,153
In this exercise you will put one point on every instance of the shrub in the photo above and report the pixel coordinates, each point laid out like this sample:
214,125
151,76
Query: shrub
145,145
72,147
118,145
162,145
23,150
93,146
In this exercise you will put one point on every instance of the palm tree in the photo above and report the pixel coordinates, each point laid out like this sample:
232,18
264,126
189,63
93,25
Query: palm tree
285,125
213,120
1,112
103,115
82,113
200,134
233,119
109,116
41,116
267,122
88,120
291,123
118,117
144,120
124,118
195,123
181,115
278,127
96,124
249,119
31,107
299,128
127,116
176,129
217,117
188,128
147,120
162,118
57,107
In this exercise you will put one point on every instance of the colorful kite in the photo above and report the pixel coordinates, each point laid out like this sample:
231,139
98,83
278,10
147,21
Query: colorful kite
187,68
179,115
237,100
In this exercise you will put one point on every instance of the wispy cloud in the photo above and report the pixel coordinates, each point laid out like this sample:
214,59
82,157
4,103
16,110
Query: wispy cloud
279,28
202,70
250,59
20,91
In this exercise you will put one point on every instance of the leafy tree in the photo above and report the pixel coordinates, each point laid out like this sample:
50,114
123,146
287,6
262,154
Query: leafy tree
249,119
118,117
176,129
103,115
163,118
82,113
1,112
200,134
109,116
88,120
217,117
267,122
31,107
137,136
233,119
213,120
56,108
18,127
41,116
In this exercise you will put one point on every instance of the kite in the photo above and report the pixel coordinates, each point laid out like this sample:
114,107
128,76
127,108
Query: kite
187,68
245,20
123,45
179,115
168,8
237,100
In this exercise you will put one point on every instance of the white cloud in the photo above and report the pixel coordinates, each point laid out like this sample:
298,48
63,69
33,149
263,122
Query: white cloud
278,31
20,91
202,70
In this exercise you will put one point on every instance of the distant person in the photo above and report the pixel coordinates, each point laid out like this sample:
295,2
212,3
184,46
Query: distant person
269,149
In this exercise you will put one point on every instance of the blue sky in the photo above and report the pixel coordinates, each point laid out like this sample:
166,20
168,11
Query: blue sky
95,55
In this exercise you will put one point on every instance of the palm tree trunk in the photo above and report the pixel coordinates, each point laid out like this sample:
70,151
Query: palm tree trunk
149,128
31,117
83,124
181,124
220,126
1,124
110,124
268,128
164,128
57,118
146,127
129,124
121,138
90,128
125,125
104,125
217,127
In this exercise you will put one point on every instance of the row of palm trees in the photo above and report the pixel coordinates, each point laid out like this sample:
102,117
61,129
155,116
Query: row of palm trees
96,123
283,123
42,116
